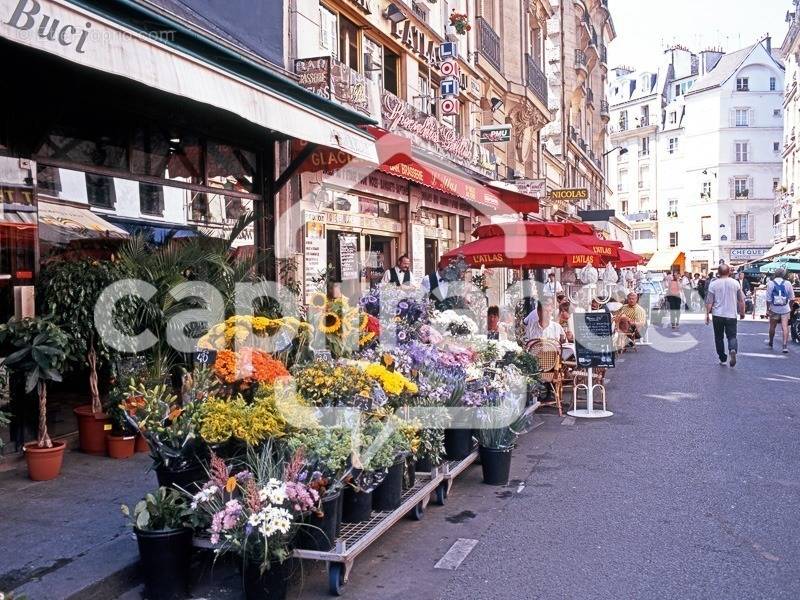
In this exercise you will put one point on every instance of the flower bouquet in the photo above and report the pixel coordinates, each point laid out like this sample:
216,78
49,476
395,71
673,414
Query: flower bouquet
460,21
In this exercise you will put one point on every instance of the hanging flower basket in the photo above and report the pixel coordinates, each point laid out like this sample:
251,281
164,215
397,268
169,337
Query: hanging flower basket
460,22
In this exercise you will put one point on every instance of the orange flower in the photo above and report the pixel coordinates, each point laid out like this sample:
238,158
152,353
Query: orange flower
230,485
175,413
248,365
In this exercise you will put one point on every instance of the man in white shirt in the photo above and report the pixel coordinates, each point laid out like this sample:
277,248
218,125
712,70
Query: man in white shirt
779,305
400,274
544,326
551,288
724,300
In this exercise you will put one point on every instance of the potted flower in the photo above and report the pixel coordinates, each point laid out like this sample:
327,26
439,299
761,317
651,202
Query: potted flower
460,21
38,351
70,292
161,522
121,440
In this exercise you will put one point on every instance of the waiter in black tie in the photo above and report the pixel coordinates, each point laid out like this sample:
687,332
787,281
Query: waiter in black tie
400,274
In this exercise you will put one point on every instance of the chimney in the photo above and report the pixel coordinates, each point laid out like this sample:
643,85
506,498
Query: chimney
768,40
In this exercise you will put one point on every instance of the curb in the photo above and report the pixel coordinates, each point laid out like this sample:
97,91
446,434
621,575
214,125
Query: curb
105,571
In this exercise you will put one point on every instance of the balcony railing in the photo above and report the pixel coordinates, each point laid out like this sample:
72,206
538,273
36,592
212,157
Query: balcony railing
644,121
536,80
580,58
488,43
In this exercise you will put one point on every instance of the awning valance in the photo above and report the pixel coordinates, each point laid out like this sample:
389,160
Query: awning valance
118,50
62,223
664,259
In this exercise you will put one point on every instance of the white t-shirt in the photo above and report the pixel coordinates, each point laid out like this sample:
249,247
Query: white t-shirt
387,277
553,331
723,295
550,289
783,309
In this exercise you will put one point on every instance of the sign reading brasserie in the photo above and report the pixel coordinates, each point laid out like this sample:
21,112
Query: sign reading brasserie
570,194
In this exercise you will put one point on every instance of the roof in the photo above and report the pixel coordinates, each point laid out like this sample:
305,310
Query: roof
725,68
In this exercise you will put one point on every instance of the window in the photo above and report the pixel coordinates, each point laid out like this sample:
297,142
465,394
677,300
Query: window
643,234
776,112
776,147
644,147
373,61
742,84
742,228
151,199
673,117
775,184
100,191
673,239
772,84
348,43
423,98
644,202
677,89
672,208
740,187
623,207
742,151
705,228
644,177
645,120
742,117
329,30
622,181
623,120
706,190
673,145
391,72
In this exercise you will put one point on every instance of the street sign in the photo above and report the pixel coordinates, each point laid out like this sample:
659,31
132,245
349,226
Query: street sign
448,50
449,68
449,87
594,345
495,133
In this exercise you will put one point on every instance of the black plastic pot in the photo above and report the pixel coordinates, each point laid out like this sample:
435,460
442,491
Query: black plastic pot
388,495
340,512
165,558
496,465
272,584
424,464
190,479
319,532
357,506
410,475
457,443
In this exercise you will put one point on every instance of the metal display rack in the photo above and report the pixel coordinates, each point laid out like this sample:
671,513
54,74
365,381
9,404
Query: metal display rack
357,537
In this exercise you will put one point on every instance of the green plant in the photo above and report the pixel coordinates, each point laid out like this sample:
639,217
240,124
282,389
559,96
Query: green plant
501,425
161,510
5,419
527,363
38,352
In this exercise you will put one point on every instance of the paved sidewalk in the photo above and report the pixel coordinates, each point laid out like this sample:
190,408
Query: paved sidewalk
66,538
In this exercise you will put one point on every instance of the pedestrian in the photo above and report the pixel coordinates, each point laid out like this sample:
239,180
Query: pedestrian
686,290
779,302
724,299
742,279
551,287
401,273
702,283
674,300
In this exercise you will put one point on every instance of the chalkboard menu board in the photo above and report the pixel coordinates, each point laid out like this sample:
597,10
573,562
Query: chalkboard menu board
594,345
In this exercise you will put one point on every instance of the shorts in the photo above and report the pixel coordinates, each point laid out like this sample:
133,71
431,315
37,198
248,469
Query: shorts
777,317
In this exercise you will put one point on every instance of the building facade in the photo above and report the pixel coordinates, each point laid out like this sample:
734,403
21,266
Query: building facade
787,198
579,33
700,155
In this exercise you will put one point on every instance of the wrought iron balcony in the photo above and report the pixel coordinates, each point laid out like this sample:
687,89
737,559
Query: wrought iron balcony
488,43
535,78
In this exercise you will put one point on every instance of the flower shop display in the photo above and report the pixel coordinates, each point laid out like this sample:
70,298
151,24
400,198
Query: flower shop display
339,327
36,349
162,523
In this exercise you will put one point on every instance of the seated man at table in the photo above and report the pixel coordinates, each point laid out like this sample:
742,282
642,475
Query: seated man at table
631,318
565,319
545,327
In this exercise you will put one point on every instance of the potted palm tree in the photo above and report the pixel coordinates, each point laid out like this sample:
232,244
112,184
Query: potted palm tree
36,350
70,291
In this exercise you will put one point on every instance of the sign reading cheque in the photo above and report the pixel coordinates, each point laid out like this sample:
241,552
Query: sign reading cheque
594,346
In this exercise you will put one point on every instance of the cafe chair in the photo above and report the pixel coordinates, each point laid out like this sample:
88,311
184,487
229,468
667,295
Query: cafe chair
551,369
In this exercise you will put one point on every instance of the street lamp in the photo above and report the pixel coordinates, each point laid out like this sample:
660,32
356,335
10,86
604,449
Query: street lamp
622,150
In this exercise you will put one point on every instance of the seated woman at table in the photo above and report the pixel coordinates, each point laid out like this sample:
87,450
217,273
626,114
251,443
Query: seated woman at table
545,327
565,319
631,318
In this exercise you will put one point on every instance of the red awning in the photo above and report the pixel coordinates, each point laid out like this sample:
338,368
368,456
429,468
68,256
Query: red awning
514,251
628,259
534,228
608,250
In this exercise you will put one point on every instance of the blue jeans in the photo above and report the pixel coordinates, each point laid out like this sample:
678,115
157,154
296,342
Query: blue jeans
724,327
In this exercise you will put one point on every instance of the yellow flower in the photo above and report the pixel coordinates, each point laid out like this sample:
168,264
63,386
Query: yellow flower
330,323
318,300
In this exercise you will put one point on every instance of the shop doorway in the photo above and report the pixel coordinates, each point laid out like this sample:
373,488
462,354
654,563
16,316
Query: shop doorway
431,255
378,257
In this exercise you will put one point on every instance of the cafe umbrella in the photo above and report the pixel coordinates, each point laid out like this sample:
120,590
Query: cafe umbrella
520,251
790,263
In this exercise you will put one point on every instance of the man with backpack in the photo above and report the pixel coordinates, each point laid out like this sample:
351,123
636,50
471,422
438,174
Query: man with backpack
779,304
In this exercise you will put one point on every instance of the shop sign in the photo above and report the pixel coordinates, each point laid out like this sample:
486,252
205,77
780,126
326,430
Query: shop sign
418,250
348,256
315,255
416,41
29,16
427,132
364,5
348,220
352,179
536,188
495,133
570,194
315,74
747,253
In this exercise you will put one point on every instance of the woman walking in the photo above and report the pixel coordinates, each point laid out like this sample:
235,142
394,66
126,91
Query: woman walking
674,300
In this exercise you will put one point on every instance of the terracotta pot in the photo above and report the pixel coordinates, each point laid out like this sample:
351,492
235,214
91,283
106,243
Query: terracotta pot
92,430
141,444
121,446
44,463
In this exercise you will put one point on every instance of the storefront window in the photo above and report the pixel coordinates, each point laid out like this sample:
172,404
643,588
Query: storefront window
151,199
173,155
96,148
231,168
100,191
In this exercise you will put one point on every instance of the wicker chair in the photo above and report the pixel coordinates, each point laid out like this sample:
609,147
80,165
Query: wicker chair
548,353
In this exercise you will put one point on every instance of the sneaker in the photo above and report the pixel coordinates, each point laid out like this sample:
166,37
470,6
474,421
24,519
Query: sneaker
785,350
733,358
722,361
768,343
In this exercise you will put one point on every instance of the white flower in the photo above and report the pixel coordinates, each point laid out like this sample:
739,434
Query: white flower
275,519
201,497
274,492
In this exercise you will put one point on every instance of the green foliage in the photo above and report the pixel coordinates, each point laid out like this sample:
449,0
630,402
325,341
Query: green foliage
5,419
37,348
327,449
161,510
527,363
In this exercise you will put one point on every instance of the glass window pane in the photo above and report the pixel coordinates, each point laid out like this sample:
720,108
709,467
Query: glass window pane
231,168
100,191
94,147
173,155
151,199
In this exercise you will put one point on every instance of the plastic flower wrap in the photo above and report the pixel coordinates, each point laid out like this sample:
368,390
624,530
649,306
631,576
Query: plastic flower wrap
449,321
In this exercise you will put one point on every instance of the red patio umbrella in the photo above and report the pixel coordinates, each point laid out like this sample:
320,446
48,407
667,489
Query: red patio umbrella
513,251
548,228
628,259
